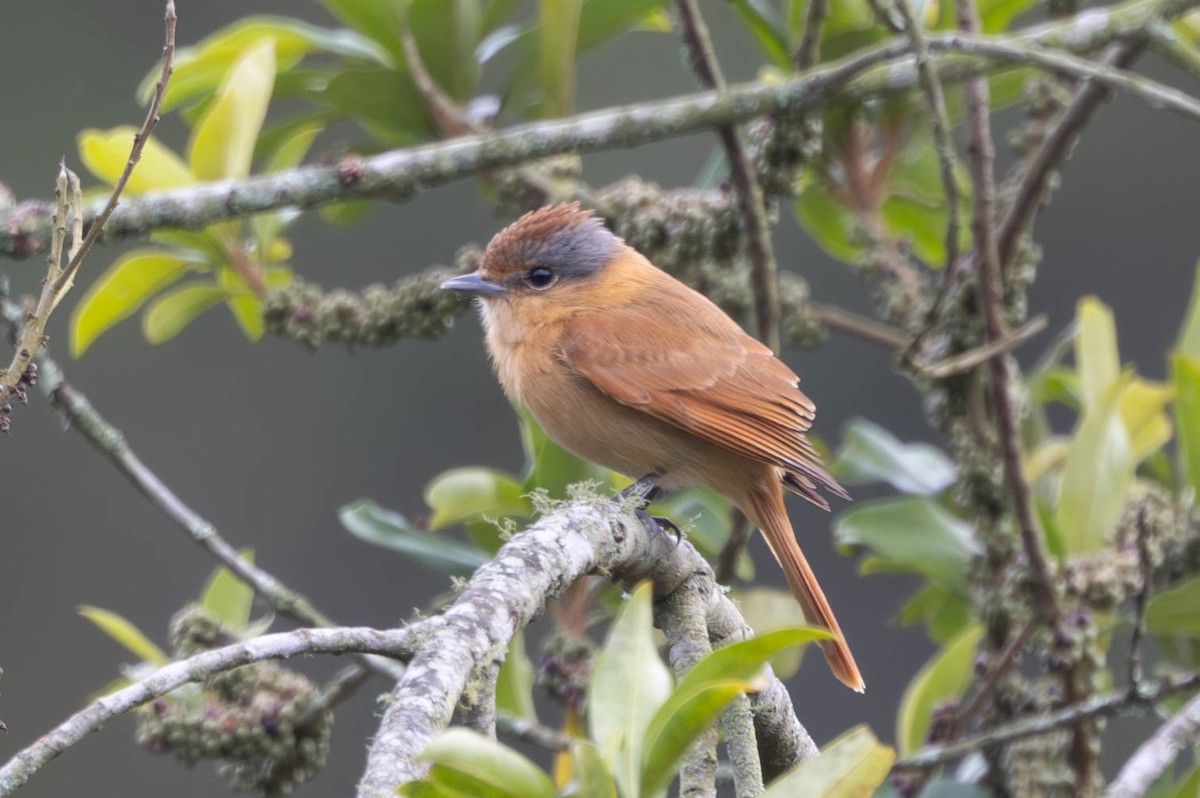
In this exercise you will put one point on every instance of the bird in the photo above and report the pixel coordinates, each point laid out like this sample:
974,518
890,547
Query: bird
625,366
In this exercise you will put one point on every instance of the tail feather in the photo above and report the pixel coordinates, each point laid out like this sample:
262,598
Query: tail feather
768,513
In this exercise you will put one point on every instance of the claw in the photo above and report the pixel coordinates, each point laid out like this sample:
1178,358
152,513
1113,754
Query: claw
661,525
644,490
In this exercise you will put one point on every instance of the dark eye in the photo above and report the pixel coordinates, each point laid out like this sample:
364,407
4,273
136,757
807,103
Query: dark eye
539,277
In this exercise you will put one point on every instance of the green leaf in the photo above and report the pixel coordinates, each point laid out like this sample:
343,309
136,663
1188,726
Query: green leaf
943,611
767,609
378,19
514,685
496,13
1185,373
832,226
943,678
200,68
222,144
1097,475
368,521
469,493
1096,357
447,32
592,777
105,153
629,683
870,453
243,304
227,598
701,695
913,534
852,766
177,308
557,39
1176,611
120,291
384,102
763,23
1142,412
125,633
466,760
995,15
1189,334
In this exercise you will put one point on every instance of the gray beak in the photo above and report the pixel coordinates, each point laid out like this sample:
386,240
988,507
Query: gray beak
473,284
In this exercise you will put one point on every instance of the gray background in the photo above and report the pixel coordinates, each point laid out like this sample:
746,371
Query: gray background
269,440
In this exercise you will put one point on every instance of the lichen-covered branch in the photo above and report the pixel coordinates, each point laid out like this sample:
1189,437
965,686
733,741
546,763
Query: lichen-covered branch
1155,755
396,643
400,174
587,535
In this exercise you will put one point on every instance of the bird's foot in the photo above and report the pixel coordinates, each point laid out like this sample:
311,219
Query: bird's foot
643,491
661,525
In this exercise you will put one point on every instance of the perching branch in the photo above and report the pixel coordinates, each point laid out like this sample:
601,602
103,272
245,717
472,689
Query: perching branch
400,174
395,643
1155,755
583,536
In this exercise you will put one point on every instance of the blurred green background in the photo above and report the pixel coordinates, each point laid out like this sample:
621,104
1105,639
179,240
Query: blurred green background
268,440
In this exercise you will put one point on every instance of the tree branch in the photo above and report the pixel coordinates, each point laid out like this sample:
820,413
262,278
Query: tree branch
400,174
396,643
1155,755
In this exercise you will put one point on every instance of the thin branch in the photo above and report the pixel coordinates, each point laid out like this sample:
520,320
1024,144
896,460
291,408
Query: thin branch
982,156
1003,664
1098,707
763,269
400,174
1155,755
965,361
527,731
1054,150
1146,571
740,530
809,50
864,327
396,643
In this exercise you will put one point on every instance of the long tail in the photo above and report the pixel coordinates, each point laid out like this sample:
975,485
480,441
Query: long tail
766,510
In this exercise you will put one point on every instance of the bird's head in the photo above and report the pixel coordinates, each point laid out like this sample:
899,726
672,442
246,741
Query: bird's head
548,253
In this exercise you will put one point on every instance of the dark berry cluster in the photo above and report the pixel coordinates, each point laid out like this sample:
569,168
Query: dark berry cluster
29,378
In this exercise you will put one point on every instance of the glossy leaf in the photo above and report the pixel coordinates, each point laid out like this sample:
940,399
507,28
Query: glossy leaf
469,493
1185,373
943,611
368,521
466,760
120,291
171,312
557,38
243,304
701,695
384,102
125,633
629,683
943,678
227,598
852,766
378,19
1142,408
514,685
200,68
105,153
1097,475
914,534
222,144
1176,611
767,609
870,453
833,227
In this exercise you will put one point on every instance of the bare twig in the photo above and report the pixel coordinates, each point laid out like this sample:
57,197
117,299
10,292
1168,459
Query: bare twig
1156,754
59,278
1098,707
396,643
982,156
965,361
763,269
809,50
864,327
